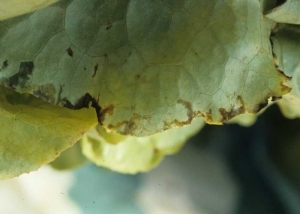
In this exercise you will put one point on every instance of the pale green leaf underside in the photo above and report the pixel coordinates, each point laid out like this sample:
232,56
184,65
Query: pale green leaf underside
129,154
289,12
12,8
150,64
287,48
70,158
243,120
34,132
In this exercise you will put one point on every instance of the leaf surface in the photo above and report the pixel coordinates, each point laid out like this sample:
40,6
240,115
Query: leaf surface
148,66
34,132
129,154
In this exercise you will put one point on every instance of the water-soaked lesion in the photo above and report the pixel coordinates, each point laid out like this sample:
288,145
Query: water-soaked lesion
45,92
19,79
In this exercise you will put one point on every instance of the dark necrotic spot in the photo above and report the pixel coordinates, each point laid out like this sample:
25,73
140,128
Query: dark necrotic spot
21,77
95,70
70,52
5,64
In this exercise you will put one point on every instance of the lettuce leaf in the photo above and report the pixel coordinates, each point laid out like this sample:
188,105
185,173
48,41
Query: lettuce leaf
147,66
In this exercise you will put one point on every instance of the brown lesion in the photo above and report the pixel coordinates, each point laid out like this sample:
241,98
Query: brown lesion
130,127
189,109
177,123
233,112
104,111
228,115
285,89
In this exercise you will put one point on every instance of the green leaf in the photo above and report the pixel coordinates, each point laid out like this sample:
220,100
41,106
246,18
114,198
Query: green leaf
286,44
288,12
149,65
129,154
34,132
12,8
70,158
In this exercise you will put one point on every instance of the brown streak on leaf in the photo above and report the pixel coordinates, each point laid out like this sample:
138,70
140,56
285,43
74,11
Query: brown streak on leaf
130,126
189,109
176,123
95,70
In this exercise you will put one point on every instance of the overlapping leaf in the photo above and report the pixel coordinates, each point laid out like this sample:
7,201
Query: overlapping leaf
287,48
34,132
288,12
12,8
129,154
